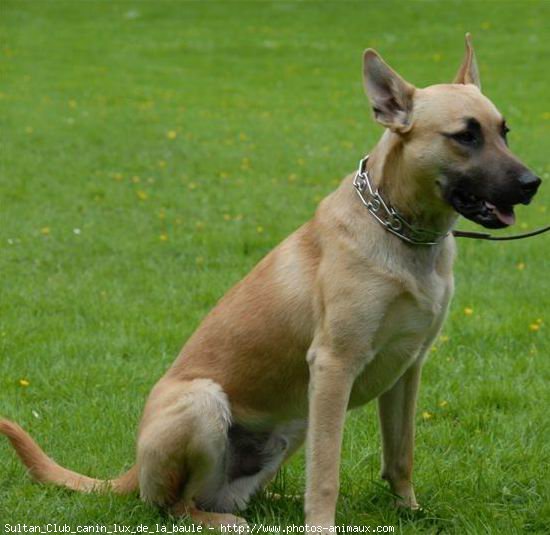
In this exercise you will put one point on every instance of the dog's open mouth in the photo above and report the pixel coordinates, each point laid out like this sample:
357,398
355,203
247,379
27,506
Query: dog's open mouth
483,212
504,214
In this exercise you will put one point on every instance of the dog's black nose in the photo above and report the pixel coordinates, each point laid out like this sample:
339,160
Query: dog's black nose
529,184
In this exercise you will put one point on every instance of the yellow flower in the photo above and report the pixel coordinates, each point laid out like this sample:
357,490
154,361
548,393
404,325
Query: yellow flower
163,237
534,327
24,382
520,266
142,195
468,311
427,415
171,134
226,217
259,229
45,231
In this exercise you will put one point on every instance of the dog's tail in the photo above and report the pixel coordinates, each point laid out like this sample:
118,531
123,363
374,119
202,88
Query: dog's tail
46,470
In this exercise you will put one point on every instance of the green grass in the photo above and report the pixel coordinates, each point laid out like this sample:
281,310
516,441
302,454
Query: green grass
268,111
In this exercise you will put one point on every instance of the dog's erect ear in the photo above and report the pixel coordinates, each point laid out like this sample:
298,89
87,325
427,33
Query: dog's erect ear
468,72
390,96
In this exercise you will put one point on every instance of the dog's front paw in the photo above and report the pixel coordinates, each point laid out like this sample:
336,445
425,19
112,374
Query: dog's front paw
404,497
406,503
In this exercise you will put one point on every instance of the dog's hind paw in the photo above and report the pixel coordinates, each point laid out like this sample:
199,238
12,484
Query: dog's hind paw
206,518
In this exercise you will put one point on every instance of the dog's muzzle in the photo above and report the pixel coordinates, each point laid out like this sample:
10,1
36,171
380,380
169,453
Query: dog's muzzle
495,207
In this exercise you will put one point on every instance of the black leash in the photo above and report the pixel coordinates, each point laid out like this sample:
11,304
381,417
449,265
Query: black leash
485,236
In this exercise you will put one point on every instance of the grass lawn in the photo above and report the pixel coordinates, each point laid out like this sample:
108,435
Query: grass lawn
153,152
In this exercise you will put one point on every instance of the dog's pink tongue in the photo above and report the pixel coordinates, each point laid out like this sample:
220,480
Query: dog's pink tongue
508,218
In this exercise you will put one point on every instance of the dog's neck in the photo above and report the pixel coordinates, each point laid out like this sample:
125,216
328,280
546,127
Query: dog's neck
402,186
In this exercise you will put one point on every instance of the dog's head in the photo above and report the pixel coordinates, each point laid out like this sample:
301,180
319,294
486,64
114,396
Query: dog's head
454,140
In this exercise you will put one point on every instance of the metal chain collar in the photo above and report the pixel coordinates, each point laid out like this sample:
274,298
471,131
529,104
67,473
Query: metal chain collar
386,215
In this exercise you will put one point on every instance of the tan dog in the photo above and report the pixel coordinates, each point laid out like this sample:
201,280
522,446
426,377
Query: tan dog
340,313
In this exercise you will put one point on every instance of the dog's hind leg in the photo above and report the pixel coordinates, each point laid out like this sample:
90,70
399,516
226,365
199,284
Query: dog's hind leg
182,446
253,459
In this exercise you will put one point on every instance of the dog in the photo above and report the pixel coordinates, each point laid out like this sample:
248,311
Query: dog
342,312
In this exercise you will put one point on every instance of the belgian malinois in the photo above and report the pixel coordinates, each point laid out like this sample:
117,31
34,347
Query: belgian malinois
342,312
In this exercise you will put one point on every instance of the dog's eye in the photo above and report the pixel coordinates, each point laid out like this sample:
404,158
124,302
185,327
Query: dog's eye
466,138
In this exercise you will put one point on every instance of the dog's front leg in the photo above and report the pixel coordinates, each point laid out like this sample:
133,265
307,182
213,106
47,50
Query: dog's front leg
331,380
396,409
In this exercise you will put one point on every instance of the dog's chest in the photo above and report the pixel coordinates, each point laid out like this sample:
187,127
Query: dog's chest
407,325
